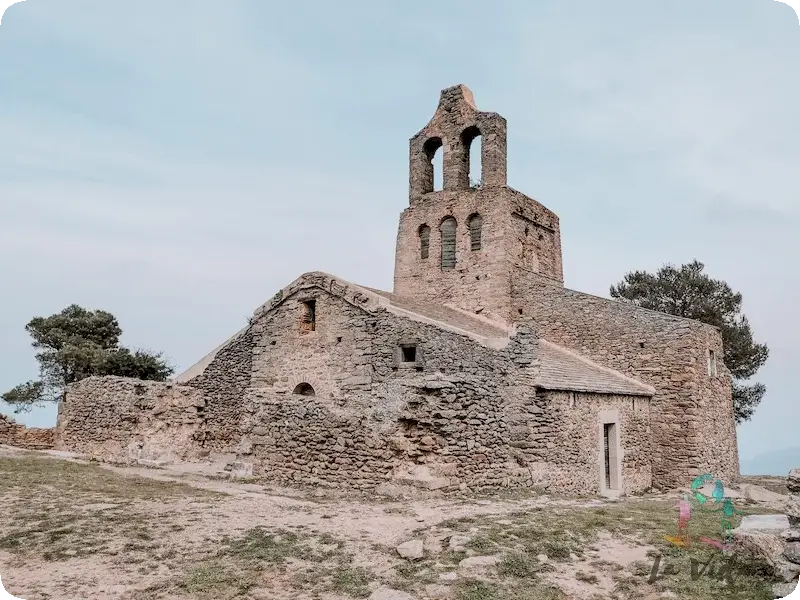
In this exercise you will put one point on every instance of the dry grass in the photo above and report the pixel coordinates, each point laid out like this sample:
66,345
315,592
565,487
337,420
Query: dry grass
59,510
178,541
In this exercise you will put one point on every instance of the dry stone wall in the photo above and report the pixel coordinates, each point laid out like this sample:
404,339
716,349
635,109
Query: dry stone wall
128,420
564,440
692,413
32,438
791,552
460,415
223,384
372,414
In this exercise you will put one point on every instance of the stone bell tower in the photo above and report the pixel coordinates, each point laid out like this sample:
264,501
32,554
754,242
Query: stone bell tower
472,247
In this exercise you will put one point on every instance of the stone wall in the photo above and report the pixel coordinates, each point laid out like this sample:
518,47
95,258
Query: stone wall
14,434
792,537
518,232
455,412
223,384
518,235
128,420
479,283
453,128
692,413
373,415
565,440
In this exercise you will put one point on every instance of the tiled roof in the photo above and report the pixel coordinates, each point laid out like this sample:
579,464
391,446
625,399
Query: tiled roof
560,368
438,312
563,369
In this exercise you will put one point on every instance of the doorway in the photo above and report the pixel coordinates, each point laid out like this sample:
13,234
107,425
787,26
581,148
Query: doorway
610,454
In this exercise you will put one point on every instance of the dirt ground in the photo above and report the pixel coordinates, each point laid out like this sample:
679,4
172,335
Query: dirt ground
72,529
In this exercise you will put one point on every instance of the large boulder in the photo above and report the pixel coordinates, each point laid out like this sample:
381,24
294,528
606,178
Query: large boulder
792,552
420,476
763,496
759,538
776,524
477,566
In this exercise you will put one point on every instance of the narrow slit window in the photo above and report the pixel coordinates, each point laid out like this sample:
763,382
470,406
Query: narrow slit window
712,363
448,231
308,321
610,466
475,232
424,241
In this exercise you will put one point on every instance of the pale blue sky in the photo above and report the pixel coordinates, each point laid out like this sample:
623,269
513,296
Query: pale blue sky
176,163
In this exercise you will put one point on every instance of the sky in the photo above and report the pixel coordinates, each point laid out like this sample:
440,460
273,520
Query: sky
177,163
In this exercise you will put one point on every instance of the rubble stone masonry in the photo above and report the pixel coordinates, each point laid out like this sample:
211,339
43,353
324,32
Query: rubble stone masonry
14,434
692,412
479,370
125,420
342,405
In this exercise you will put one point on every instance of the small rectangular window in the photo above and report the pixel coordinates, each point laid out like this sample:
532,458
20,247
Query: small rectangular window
712,363
308,321
409,354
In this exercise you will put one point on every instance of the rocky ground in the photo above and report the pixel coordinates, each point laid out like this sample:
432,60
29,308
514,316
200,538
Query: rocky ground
73,529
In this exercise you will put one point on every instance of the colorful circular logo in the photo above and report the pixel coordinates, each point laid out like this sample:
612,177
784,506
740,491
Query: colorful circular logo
724,506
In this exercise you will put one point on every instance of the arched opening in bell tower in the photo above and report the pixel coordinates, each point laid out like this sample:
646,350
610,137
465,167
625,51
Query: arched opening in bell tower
472,143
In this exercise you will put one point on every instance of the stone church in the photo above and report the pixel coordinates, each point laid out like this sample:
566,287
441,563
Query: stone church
479,370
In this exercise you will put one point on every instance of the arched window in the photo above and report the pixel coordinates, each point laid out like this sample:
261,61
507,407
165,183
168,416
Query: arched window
448,231
475,229
472,156
424,241
433,175
304,389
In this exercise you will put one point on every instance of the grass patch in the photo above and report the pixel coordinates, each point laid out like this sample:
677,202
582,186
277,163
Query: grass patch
412,575
216,580
518,564
28,477
352,581
563,530
261,555
58,510
477,590
482,544
259,545
586,577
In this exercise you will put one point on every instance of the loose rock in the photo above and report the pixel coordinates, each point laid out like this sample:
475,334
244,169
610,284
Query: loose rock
390,594
411,550
458,543
792,552
478,562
